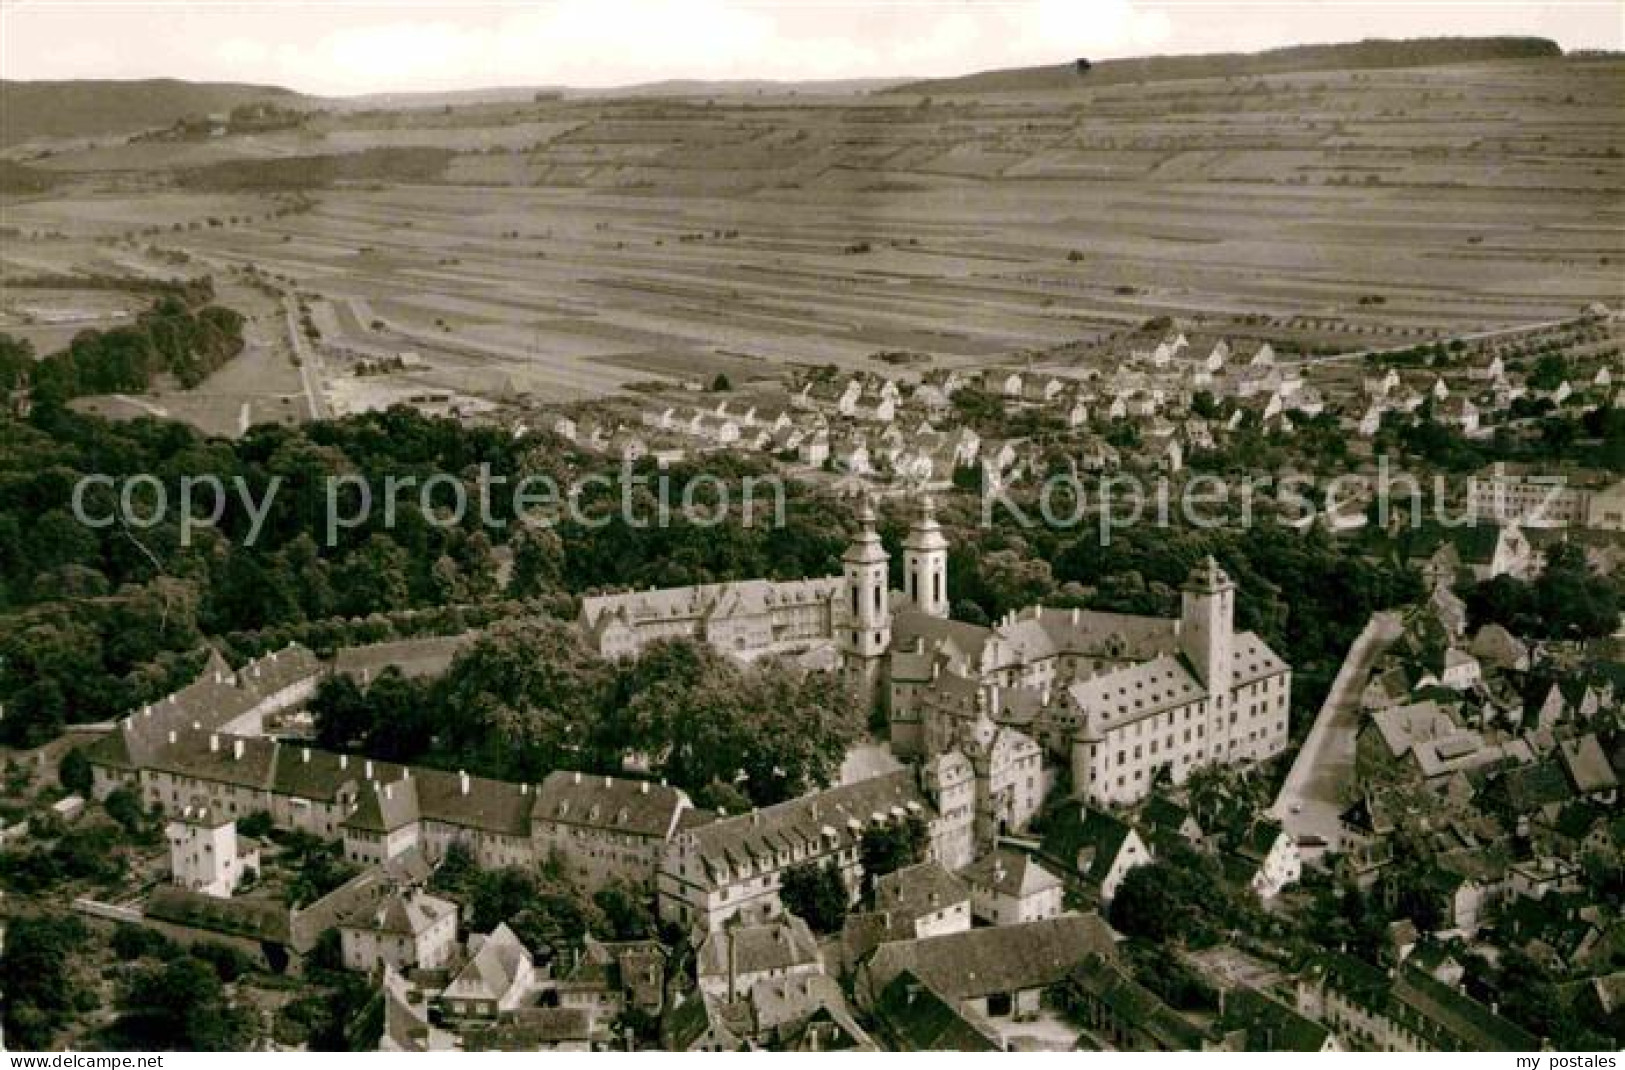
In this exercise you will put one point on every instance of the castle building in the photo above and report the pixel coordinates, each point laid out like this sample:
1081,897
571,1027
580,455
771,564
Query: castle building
733,867
1116,697
748,617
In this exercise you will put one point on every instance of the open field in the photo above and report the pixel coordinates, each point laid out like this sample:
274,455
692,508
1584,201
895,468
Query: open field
574,246
49,318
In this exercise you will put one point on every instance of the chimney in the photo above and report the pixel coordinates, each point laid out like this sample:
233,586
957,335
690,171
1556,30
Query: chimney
389,791
237,747
344,761
369,768
524,789
576,777
643,787
172,736
462,780
304,755
607,781
214,743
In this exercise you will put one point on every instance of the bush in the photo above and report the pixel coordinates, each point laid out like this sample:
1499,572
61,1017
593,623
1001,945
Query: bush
74,772
131,942
256,825
124,806
228,962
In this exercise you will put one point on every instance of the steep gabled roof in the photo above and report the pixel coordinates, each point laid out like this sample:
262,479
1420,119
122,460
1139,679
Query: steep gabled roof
1134,1004
1085,840
634,807
1270,1025
492,970
981,962
915,1017
1009,872
385,808
778,945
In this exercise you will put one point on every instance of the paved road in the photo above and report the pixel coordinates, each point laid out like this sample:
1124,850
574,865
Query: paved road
1312,798
1471,336
310,369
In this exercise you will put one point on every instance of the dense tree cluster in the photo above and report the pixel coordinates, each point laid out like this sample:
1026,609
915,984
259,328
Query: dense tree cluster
1568,600
1182,898
41,994
95,621
182,1005
530,697
1595,438
169,337
542,906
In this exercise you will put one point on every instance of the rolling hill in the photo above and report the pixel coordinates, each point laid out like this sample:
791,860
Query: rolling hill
96,108
1358,55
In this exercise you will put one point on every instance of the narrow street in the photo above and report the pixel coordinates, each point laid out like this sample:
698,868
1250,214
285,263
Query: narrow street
1313,796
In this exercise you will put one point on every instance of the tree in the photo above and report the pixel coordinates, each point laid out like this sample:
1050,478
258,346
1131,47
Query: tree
538,563
625,911
815,893
341,712
34,977
74,772
123,804
768,731
720,384
887,848
1146,908
182,1005
257,825
526,695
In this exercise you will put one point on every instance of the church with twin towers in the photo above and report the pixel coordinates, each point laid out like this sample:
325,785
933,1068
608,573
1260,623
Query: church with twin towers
1119,699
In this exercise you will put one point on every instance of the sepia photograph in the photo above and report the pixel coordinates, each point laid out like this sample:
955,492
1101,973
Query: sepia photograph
804,526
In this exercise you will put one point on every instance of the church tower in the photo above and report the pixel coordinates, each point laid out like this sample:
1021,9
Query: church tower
1207,614
925,562
866,636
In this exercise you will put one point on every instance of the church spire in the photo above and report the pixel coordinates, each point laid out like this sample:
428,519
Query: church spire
925,562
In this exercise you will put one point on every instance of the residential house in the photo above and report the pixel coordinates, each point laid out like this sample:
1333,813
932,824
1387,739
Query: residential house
1123,1013
913,1016
935,900
496,979
1267,858
994,973
1408,1010
733,959
407,930
1009,887
1094,845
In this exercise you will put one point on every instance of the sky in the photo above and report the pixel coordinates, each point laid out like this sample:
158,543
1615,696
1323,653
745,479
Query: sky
345,47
